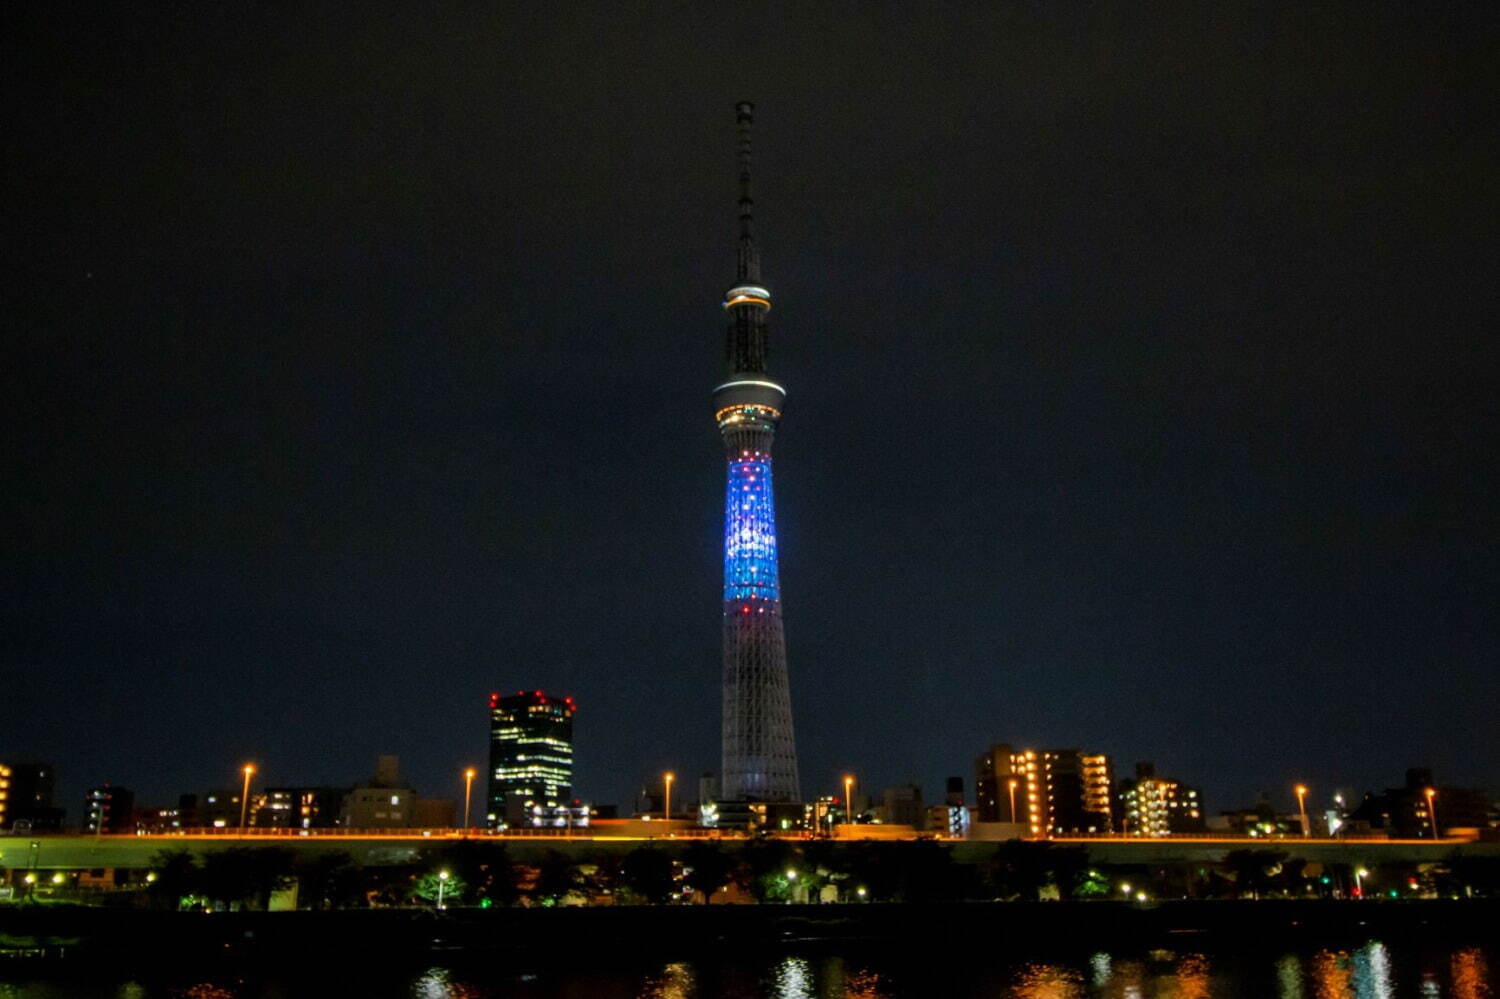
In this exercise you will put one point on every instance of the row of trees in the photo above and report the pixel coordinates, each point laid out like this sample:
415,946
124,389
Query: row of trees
479,873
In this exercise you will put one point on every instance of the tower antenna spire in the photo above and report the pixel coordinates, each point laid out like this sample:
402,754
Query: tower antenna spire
749,260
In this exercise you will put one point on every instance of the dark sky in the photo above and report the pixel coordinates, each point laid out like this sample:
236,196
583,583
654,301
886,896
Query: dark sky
1141,372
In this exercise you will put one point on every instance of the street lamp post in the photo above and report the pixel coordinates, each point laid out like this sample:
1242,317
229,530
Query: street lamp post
469,776
442,886
1012,784
666,811
249,770
1360,874
1431,813
1301,790
848,800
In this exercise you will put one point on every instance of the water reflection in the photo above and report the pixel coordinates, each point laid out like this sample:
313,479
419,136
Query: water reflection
1192,977
793,979
1368,972
1471,975
1127,980
674,982
1046,981
1099,967
1372,971
1331,977
1289,978
863,985
438,983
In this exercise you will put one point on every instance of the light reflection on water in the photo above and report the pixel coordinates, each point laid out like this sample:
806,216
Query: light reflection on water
793,979
1289,977
1364,974
1047,981
674,982
1471,975
1372,971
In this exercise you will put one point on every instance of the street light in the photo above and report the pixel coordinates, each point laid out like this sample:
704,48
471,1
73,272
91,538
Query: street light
666,811
469,776
442,886
1431,815
249,770
1012,784
1301,790
1360,873
848,799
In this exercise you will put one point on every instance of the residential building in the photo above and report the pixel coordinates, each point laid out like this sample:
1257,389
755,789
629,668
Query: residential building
902,806
1053,792
28,804
1150,805
385,802
108,809
298,807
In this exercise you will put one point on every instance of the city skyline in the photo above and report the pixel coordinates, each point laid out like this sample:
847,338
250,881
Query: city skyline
1140,393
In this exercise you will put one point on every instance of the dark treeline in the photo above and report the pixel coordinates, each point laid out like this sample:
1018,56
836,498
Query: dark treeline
486,875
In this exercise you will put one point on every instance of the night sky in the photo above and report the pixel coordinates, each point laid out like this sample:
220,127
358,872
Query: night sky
1141,371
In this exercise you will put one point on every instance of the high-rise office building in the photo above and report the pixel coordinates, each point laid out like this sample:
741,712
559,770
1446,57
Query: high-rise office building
1052,792
759,748
531,761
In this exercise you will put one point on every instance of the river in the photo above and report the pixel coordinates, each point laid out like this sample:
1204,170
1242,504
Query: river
1374,970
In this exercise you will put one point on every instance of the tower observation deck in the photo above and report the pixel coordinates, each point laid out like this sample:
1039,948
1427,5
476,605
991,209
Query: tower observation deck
760,752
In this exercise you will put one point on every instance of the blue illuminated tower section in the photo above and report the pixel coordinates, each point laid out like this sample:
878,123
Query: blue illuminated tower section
760,751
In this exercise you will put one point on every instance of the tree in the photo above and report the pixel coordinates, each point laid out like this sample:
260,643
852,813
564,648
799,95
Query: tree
707,868
436,887
925,870
326,879
554,878
245,874
176,875
1254,871
766,862
1019,869
487,869
1473,875
647,873
1069,867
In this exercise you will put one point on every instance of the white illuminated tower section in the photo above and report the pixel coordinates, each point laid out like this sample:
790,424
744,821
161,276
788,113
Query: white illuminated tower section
760,752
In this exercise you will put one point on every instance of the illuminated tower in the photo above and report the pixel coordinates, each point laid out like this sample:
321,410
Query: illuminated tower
760,753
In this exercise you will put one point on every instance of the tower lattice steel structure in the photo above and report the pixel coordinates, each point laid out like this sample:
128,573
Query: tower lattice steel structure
760,752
